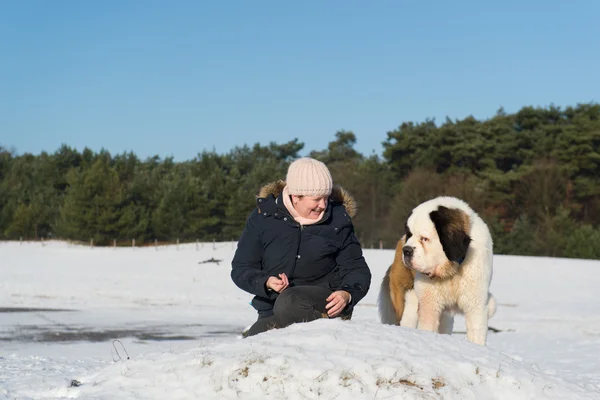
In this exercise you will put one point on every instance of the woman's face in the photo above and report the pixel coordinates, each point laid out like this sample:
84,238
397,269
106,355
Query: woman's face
309,206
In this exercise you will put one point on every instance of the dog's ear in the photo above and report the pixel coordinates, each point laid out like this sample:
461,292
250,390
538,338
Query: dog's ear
452,226
407,233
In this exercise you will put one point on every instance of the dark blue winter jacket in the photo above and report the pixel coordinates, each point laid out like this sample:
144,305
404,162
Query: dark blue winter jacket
326,253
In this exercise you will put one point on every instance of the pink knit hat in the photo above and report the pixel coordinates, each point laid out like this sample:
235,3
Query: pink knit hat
309,177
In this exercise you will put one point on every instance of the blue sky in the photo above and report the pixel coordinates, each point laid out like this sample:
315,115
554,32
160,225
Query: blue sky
174,78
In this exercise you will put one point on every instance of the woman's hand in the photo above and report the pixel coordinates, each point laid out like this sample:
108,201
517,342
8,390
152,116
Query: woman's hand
278,284
337,301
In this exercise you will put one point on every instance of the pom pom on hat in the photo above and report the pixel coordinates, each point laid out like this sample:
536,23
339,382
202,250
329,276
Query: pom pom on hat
309,177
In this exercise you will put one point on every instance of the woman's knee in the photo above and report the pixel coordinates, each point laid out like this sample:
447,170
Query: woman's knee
296,305
287,302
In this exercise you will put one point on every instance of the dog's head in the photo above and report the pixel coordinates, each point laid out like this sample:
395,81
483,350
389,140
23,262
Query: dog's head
437,240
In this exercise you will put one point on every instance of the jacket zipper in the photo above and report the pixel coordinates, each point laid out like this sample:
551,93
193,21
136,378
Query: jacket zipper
300,229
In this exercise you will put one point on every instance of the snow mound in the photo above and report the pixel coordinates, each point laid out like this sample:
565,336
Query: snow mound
329,359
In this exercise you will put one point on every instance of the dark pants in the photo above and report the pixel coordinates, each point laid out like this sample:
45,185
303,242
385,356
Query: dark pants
296,304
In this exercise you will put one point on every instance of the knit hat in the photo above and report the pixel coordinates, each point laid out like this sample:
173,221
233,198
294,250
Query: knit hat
309,177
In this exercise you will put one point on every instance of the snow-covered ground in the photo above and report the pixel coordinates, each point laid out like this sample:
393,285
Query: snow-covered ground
147,323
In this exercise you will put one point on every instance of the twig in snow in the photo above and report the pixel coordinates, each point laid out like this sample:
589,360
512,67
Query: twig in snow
210,260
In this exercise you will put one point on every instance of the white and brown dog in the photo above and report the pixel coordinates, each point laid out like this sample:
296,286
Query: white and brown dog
444,262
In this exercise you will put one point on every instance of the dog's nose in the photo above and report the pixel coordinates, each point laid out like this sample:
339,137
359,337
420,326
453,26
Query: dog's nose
408,251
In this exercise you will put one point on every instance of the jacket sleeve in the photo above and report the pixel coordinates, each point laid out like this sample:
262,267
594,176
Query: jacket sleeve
355,273
246,271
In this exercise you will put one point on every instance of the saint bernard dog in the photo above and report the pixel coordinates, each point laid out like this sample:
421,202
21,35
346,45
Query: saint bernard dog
442,266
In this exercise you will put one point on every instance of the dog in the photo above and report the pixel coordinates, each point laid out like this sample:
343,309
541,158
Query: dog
442,266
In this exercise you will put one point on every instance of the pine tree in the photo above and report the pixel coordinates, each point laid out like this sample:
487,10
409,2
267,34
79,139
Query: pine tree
91,208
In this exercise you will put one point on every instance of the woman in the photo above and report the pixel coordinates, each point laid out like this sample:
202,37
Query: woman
298,253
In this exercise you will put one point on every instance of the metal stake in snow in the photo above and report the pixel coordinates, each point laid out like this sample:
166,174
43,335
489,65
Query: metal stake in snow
117,351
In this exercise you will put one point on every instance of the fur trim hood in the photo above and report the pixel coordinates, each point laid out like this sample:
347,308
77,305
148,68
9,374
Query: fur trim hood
338,195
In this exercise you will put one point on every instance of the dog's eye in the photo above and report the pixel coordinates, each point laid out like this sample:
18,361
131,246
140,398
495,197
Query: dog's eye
424,239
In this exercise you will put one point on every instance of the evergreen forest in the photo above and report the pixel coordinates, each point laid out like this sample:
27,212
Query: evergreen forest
533,176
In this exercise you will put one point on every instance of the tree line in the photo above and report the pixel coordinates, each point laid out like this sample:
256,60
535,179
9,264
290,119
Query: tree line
533,176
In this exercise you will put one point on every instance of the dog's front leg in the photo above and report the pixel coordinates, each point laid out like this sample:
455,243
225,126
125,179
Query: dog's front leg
428,315
477,325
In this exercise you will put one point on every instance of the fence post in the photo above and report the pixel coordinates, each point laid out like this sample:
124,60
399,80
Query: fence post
380,244
177,243
91,242
214,244
196,244
133,242
156,244
21,241
115,243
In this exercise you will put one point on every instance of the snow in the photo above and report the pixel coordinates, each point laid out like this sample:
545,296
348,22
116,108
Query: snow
179,320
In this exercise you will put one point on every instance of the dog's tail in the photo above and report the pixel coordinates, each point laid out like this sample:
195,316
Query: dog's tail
387,313
491,305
